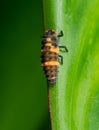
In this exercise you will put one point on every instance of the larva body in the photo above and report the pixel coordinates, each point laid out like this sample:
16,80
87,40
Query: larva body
50,54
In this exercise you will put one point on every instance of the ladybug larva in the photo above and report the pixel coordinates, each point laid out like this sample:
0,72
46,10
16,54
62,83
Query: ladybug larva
50,54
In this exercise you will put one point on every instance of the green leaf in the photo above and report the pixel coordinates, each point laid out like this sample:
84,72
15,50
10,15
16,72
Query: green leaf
74,99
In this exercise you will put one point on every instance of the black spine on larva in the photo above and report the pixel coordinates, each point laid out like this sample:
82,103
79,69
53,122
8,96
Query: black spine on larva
51,70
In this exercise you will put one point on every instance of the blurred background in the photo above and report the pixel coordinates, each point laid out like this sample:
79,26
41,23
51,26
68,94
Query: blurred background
23,90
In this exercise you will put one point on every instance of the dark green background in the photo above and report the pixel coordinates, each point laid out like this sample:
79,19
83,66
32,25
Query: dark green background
23,90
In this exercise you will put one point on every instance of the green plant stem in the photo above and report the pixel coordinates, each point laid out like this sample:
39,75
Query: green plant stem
70,98
56,92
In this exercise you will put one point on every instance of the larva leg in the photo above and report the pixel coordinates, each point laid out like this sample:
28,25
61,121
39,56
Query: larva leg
64,48
61,58
61,34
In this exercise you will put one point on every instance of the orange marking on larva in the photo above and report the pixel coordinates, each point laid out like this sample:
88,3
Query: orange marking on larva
48,44
56,50
48,63
48,39
46,30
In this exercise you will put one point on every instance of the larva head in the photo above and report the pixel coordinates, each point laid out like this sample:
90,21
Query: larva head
50,33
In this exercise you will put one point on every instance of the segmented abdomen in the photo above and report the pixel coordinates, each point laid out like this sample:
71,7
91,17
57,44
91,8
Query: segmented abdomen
50,61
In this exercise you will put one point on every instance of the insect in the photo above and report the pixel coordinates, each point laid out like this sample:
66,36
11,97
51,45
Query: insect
50,54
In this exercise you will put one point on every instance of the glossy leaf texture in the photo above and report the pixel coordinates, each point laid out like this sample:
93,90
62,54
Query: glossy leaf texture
74,100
